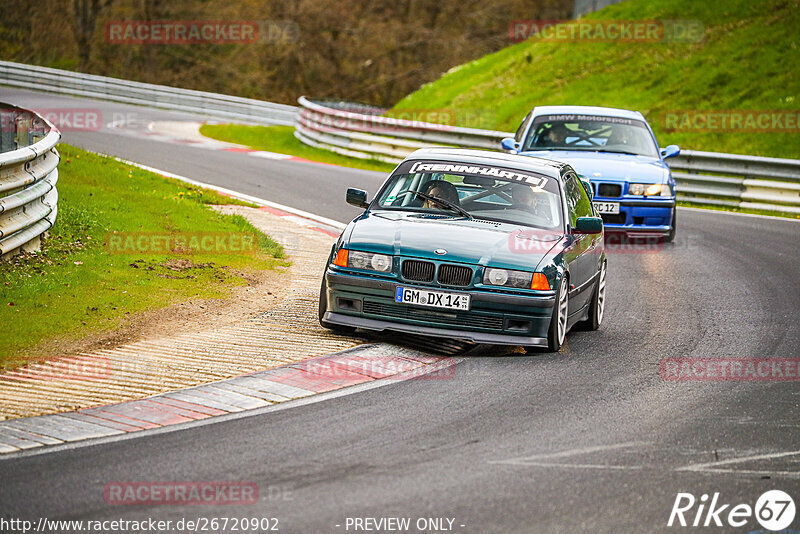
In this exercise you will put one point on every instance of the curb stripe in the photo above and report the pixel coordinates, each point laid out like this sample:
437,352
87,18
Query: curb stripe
251,392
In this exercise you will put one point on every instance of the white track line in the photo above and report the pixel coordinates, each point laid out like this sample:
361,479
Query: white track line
711,465
707,210
532,460
235,194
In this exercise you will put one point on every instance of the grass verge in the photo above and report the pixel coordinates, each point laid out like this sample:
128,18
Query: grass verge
82,284
784,214
281,139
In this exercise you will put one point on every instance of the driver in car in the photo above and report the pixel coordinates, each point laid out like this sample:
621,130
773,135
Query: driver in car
440,189
553,136
524,197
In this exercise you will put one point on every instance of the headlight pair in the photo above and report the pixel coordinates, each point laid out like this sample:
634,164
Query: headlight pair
363,260
650,190
519,279
507,277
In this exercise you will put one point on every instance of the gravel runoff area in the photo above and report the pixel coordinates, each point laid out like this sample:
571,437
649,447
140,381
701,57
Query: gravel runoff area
282,331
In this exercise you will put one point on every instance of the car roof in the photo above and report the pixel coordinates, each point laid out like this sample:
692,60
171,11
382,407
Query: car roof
587,110
488,157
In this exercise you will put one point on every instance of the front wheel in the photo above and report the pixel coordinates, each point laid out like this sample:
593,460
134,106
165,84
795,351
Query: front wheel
323,307
558,323
670,237
598,303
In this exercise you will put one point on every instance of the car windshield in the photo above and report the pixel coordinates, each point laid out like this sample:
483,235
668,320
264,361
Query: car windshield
474,191
591,134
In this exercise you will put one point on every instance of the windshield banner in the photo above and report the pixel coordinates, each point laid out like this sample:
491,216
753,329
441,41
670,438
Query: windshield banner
478,170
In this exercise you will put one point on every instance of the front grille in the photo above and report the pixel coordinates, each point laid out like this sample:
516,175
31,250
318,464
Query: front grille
454,275
447,317
609,190
419,271
613,218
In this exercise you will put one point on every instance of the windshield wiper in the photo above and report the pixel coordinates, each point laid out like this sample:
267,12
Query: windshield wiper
441,202
616,152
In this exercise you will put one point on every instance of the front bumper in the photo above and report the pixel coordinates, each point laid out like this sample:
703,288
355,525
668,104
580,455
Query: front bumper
640,218
494,317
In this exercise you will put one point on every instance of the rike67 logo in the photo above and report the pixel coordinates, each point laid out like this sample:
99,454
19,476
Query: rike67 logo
774,511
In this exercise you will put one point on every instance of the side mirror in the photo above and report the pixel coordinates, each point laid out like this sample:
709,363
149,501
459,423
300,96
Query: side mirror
357,197
670,152
588,186
588,225
509,143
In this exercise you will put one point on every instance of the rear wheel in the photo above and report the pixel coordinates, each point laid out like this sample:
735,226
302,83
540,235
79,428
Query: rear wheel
323,307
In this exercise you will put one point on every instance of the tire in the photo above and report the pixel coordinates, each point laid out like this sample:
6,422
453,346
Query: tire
598,303
558,322
670,237
323,307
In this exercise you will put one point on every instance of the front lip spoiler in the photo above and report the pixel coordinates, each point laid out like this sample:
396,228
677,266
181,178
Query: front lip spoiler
648,203
475,337
634,232
544,300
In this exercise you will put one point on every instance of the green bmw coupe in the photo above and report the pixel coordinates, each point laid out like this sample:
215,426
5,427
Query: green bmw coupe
472,245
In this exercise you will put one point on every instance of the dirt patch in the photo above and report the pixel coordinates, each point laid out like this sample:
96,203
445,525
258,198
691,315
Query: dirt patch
263,290
269,322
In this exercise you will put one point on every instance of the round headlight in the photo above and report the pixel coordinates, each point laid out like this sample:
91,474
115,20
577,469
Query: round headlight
381,263
653,189
636,189
359,260
497,277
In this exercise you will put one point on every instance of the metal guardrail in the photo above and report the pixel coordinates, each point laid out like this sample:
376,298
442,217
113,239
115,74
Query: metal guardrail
28,177
212,105
713,178
752,182
370,136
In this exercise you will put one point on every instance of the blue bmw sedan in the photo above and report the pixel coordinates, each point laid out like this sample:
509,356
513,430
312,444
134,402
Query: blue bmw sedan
616,150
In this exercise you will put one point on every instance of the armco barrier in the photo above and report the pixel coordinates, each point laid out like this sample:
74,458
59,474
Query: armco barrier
706,177
212,105
754,182
28,176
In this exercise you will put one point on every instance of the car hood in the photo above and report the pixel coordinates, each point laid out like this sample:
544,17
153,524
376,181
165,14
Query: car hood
609,166
478,241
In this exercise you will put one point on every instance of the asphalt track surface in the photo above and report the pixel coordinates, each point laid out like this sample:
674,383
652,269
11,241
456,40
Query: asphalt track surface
591,439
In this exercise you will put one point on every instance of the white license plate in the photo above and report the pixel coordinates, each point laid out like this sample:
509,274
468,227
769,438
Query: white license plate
434,299
606,207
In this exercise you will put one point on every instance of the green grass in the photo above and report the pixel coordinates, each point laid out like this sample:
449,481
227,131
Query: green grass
784,214
281,139
77,287
748,60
